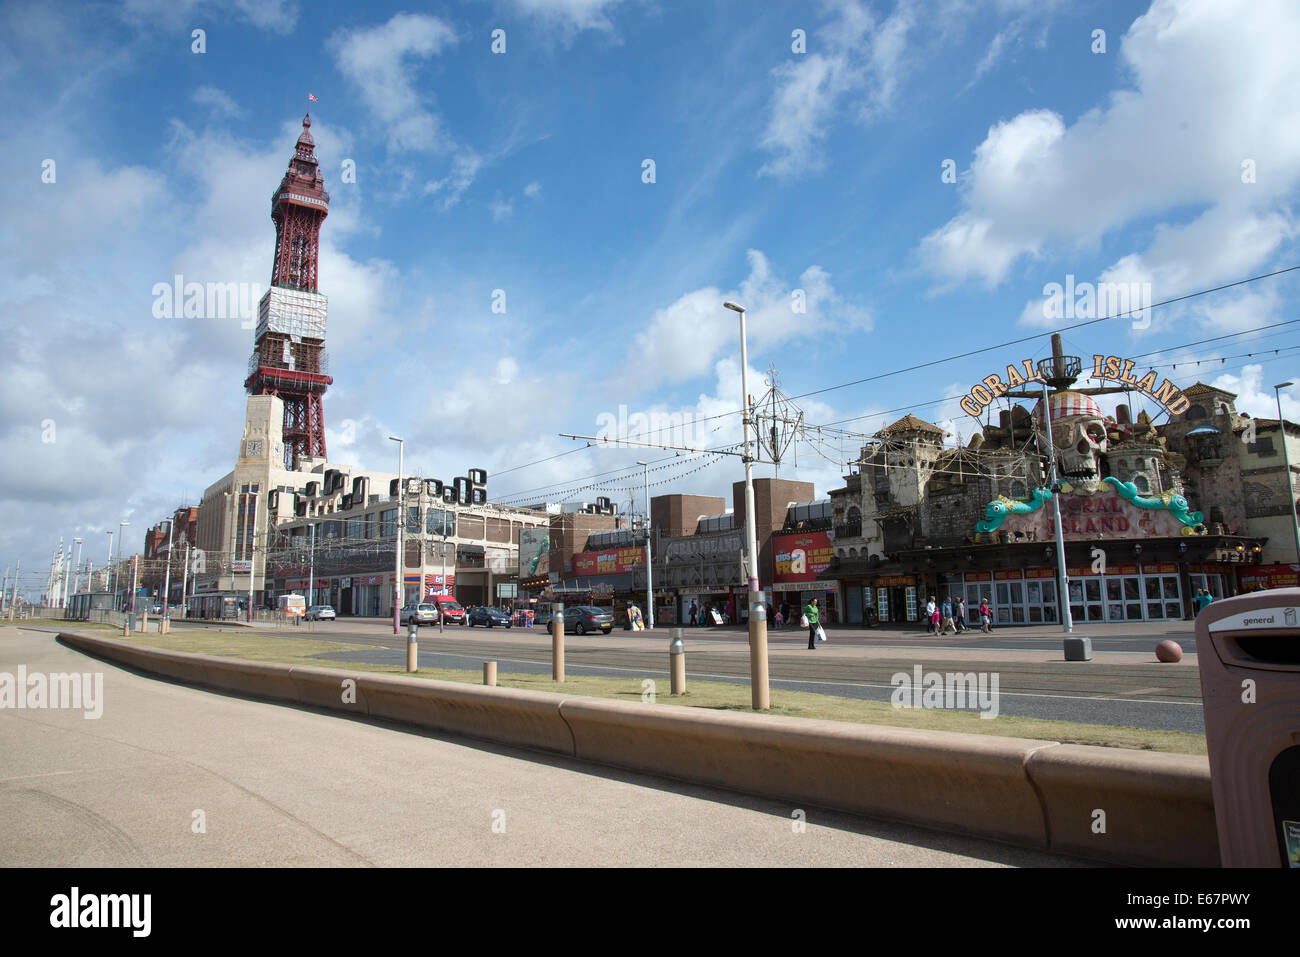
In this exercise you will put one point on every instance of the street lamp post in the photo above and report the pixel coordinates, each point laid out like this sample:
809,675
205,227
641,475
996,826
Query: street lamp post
401,522
77,568
1062,578
120,526
649,579
442,616
167,577
108,567
311,569
759,692
233,508
252,557
1286,457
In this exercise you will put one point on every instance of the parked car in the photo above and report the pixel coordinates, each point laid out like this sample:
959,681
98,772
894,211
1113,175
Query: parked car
584,618
450,607
320,613
424,613
488,616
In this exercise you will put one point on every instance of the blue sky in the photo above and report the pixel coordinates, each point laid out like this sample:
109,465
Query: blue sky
522,171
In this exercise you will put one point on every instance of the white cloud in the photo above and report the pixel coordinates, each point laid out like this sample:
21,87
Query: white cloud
500,209
1255,396
217,101
684,339
1209,81
464,168
278,16
533,190
382,61
571,14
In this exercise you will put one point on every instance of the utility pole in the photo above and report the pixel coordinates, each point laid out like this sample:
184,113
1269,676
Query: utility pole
311,569
398,584
649,581
252,557
1062,577
167,579
185,578
759,691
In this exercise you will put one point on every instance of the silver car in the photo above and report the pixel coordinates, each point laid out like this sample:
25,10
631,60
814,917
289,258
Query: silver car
425,613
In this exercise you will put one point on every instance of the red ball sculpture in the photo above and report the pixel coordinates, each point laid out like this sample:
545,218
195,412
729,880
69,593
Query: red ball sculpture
1169,651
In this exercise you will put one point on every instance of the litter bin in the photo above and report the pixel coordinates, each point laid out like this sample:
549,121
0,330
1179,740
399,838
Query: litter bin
1248,651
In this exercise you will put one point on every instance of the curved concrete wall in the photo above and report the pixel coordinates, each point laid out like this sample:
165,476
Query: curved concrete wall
1158,808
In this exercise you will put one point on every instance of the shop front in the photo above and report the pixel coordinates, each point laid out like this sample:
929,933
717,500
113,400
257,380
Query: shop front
801,562
1259,577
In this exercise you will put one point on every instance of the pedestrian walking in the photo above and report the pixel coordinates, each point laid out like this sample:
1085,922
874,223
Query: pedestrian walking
695,612
785,612
814,616
945,614
986,615
931,616
959,613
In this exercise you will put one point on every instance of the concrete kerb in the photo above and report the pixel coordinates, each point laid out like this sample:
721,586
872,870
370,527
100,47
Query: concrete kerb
1040,794
529,719
972,784
1155,809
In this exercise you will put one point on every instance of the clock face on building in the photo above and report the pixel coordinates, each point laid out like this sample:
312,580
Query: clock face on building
253,447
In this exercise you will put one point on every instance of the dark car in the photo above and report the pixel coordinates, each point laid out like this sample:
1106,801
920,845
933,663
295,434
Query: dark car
488,616
584,618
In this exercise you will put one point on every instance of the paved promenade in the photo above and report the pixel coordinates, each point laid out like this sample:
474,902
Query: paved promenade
278,786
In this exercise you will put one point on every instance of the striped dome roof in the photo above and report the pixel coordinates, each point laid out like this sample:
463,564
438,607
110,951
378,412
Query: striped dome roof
1068,404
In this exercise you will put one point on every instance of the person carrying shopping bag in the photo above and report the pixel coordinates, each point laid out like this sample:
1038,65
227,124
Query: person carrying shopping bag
986,615
813,614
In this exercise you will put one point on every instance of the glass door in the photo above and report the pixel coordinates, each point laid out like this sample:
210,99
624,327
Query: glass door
1092,596
1155,607
1034,601
1017,602
1049,602
974,595
1076,599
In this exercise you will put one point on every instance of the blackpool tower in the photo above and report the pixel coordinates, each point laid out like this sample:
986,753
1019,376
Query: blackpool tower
289,358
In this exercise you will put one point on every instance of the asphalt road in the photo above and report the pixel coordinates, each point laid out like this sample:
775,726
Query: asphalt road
1123,685
175,776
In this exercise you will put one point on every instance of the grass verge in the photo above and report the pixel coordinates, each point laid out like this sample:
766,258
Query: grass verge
714,695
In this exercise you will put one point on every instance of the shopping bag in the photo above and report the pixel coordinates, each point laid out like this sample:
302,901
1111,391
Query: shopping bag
803,621
821,633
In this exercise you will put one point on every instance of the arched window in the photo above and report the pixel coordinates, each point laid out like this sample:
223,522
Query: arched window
1196,412
1017,489
853,553
1141,484
854,515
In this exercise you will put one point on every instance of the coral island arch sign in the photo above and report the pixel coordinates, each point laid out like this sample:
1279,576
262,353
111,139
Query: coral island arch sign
1118,369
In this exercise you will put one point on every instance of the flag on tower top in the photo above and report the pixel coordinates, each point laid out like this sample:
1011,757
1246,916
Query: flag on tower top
312,98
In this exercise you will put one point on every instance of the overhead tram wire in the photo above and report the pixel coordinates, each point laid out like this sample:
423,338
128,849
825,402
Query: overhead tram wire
1011,342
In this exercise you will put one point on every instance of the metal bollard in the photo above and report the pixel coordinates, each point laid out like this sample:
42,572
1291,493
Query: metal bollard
557,641
490,673
677,662
412,646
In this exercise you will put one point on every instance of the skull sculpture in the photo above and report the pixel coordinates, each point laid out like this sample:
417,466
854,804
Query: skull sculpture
1078,435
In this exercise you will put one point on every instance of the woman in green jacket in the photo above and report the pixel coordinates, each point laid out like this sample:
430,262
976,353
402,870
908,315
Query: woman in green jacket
814,618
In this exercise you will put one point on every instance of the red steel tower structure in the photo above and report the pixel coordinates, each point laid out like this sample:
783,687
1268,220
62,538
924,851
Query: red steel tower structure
289,358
